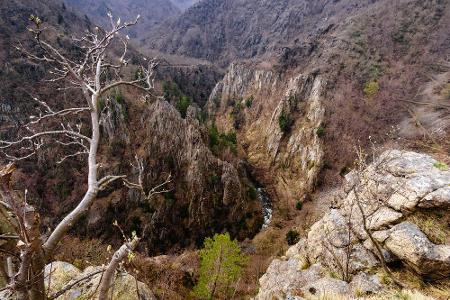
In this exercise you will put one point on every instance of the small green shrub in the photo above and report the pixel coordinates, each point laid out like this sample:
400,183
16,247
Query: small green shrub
214,179
299,205
221,141
252,193
171,91
441,166
183,105
399,37
249,102
320,131
202,116
236,114
371,88
60,19
62,190
116,147
174,95
292,237
221,266
118,97
285,122
344,171
139,75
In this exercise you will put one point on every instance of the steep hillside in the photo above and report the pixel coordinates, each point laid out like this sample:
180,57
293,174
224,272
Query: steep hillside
15,69
151,12
184,4
207,194
224,30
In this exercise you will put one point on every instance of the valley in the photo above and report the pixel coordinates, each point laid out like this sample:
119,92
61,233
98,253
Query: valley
309,140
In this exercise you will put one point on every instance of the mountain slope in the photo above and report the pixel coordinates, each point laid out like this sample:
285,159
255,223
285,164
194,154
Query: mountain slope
184,4
224,30
151,12
60,21
367,86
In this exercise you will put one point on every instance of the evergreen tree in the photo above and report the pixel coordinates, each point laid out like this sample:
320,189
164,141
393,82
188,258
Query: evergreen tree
220,267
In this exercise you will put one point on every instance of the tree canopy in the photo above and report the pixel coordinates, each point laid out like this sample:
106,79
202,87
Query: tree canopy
220,268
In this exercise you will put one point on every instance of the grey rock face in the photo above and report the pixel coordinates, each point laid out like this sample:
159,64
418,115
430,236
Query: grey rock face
364,284
251,101
207,194
326,285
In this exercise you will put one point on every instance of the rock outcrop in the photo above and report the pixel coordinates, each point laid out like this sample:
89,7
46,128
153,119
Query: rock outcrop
205,195
411,245
84,284
338,253
278,120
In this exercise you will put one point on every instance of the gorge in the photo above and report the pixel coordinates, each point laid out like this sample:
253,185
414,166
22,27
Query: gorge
314,133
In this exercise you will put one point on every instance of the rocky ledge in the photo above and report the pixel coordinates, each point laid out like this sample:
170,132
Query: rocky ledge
372,217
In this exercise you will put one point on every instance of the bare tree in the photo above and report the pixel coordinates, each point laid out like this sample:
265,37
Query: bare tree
341,254
96,73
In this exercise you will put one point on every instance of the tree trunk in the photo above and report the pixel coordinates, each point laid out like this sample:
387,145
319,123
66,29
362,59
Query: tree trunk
67,223
213,292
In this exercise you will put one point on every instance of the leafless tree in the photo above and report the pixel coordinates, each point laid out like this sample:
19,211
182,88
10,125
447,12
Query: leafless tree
341,255
94,75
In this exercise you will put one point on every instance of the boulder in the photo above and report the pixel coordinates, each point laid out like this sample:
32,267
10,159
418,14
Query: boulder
58,274
412,246
326,285
363,284
284,278
125,286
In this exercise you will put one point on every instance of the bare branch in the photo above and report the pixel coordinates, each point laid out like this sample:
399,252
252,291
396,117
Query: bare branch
72,284
118,257
140,185
63,112
7,144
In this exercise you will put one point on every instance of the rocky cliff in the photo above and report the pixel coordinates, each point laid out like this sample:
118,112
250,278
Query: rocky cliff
278,118
205,195
400,203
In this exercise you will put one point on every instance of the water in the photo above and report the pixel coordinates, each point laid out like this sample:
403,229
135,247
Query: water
267,206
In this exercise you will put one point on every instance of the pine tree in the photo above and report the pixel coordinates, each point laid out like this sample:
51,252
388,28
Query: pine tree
220,267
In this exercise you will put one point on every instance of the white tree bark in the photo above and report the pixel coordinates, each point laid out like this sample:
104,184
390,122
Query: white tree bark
117,258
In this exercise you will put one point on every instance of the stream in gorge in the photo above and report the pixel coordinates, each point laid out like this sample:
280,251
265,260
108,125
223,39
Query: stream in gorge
266,205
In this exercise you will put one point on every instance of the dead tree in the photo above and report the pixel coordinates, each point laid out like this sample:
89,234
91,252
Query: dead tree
88,76
341,255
